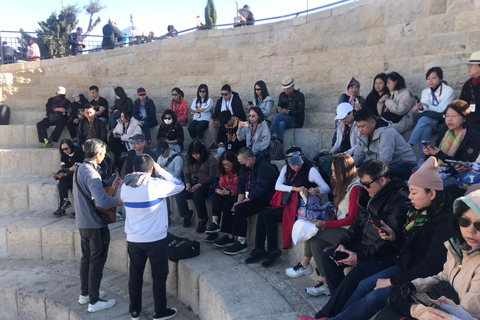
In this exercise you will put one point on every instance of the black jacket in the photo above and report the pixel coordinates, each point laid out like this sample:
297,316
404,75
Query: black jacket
295,104
55,103
175,133
262,180
68,161
390,204
150,110
422,253
466,96
228,136
236,105
99,126
132,154
126,105
75,48
111,36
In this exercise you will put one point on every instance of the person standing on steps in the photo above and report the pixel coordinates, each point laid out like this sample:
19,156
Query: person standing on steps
146,228
95,236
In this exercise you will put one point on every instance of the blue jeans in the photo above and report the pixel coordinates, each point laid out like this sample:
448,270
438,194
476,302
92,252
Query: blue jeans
196,128
400,170
422,132
146,129
365,302
282,122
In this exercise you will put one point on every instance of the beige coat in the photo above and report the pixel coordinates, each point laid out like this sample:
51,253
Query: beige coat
399,102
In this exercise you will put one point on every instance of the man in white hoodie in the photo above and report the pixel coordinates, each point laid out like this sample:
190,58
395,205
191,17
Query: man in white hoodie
146,226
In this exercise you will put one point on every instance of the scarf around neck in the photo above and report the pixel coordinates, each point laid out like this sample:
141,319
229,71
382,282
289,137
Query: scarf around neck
449,144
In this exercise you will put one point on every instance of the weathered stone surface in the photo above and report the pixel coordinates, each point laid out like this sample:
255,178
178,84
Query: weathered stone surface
57,240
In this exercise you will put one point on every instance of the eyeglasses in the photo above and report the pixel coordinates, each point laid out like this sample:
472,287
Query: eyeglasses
174,94
65,149
465,223
451,116
252,115
225,94
258,89
137,142
202,91
369,184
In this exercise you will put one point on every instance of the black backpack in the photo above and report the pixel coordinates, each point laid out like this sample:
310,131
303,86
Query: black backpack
275,150
181,248
4,114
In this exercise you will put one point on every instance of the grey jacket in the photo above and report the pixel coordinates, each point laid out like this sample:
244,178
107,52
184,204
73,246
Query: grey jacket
354,134
261,139
91,183
175,167
386,145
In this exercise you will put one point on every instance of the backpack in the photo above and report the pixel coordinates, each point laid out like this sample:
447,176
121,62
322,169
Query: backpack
275,150
181,248
4,114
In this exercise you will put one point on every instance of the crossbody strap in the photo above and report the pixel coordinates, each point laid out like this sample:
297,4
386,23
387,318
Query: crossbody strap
89,201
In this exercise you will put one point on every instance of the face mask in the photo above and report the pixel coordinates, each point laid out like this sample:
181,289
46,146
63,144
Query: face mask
117,97
168,121
77,99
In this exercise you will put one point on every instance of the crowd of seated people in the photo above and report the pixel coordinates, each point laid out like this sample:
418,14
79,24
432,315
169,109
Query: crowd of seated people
393,236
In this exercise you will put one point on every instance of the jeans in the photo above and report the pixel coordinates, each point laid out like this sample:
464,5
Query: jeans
400,170
422,132
199,196
280,123
196,129
94,243
146,129
156,252
365,302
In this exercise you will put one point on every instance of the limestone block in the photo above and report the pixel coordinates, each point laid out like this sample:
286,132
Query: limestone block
354,40
285,35
473,42
467,20
376,36
434,25
6,79
411,48
33,307
77,245
12,135
172,278
117,254
57,240
56,311
401,31
43,195
460,6
13,196
8,304
437,7
373,16
24,239
17,93
456,42
12,67
314,45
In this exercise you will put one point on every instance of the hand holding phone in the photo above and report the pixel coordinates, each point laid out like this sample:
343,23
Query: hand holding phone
427,144
340,255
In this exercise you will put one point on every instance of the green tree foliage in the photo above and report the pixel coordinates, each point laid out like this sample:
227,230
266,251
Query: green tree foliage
210,15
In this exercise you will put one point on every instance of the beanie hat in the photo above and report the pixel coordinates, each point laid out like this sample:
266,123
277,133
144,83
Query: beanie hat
427,176
141,91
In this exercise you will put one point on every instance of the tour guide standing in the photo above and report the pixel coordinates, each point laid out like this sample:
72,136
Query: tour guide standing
95,237
146,226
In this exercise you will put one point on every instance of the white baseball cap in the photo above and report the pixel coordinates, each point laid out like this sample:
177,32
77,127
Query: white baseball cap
61,90
342,110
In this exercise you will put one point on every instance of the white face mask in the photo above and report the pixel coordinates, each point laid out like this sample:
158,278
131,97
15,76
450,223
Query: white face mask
117,97
168,121
77,99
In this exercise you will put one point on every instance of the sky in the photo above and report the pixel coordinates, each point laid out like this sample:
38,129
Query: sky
147,15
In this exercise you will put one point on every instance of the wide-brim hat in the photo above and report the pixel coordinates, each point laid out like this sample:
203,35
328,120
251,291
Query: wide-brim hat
287,82
474,58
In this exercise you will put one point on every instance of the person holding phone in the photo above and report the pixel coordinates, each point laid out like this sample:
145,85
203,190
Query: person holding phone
419,247
383,198
255,132
379,90
262,100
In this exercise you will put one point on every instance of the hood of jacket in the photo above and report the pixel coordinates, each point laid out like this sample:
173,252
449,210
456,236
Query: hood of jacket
136,179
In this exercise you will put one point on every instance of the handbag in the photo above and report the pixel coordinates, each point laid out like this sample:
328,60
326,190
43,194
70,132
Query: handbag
312,210
303,230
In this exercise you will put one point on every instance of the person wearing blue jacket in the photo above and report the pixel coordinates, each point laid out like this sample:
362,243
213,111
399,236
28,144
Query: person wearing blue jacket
145,112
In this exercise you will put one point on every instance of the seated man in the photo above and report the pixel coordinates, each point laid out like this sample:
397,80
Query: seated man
100,104
169,159
256,186
227,134
90,127
379,140
291,109
56,116
145,112
138,148
382,199
230,101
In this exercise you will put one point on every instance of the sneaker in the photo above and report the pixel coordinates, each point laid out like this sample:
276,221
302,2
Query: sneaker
211,237
299,270
213,147
255,255
72,215
213,228
65,204
119,216
169,313
101,305
47,143
237,248
272,256
202,226
59,212
318,290
135,315
187,221
224,241
86,299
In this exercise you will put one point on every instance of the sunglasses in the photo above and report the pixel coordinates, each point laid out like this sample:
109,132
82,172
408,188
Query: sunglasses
258,89
141,95
202,91
174,94
369,184
136,142
465,223
225,94
167,118
65,149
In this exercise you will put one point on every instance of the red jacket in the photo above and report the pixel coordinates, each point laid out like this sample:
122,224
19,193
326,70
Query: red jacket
180,109
229,181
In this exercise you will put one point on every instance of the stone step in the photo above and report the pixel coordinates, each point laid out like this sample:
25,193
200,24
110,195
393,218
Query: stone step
49,289
14,161
28,192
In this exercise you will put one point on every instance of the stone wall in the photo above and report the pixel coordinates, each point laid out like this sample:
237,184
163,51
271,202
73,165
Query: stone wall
321,51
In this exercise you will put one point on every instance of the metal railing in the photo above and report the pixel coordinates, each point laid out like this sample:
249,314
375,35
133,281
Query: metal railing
16,51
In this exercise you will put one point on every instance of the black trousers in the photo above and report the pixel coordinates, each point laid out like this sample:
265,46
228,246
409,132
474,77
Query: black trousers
267,228
117,147
64,184
388,314
156,252
236,222
217,205
72,128
94,244
43,125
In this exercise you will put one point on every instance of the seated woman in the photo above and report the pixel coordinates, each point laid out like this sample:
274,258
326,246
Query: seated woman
228,169
200,170
144,111
255,133
298,175
435,100
76,113
179,106
70,158
456,142
351,94
461,271
171,131
346,189
379,90
262,100
200,109
122,101
397,107
121,141
420,252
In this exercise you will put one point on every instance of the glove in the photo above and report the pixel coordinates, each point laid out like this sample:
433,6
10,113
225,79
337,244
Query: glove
399,298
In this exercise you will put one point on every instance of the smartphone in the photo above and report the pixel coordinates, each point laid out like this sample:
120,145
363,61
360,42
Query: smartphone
339,255
377,224
427,144
451,162
416,99
218,188
250,102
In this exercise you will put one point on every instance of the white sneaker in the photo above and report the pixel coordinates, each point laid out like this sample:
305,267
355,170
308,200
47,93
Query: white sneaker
318,290
86,299
101,305
119,216
299,271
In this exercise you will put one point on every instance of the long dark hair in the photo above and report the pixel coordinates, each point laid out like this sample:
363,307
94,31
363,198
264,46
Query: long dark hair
200,87
177,90
383,77
229,156
83,101
69,143
259,113
264,90
172,114
121,94
395,76
197,147
345,173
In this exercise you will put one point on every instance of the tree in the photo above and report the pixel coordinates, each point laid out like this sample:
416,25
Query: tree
210,15
93,7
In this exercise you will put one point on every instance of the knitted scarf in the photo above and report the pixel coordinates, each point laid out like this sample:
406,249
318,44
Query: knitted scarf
449,144
417,218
